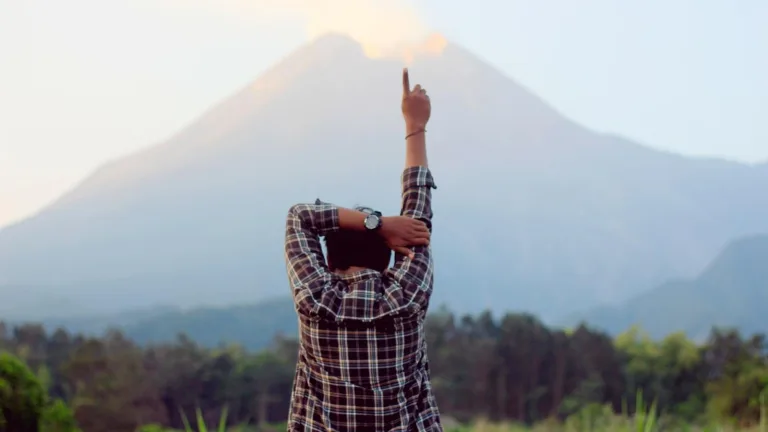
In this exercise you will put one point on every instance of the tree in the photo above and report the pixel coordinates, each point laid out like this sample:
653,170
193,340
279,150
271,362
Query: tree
22,398
510,368
113,388
58,417
739,375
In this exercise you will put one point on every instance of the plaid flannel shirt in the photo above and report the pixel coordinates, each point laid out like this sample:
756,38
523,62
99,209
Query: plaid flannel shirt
362,362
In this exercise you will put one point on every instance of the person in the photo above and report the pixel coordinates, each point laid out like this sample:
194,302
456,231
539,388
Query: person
362,363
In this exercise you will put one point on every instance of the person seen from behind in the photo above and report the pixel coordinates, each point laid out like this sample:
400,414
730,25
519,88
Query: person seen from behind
362,363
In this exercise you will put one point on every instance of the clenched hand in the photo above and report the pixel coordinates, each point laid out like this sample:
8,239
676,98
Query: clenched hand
402,232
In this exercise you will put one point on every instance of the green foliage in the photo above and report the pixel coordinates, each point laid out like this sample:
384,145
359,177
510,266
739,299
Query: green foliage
24,402
154,428
22,398
513,371
58,417
596,417
201,426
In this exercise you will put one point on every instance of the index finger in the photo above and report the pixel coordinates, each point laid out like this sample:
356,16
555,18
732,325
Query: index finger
406,82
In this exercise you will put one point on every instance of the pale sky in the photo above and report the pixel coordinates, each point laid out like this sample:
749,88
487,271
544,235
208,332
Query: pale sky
86,81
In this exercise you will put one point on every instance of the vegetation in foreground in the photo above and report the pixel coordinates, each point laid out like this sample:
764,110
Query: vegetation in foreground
510,371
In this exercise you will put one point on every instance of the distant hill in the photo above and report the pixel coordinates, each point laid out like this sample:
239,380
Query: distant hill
254,326
533,211
731,292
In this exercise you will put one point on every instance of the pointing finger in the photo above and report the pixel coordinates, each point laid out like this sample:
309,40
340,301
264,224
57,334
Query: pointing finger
406,82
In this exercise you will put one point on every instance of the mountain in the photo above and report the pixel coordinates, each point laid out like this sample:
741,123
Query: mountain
96,325
730,292
533,211
254,326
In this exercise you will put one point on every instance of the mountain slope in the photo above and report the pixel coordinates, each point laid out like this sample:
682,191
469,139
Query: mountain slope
731,292
533,211
254,326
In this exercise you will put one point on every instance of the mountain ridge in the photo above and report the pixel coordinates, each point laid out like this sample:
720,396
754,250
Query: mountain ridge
727,293
692,306
591,218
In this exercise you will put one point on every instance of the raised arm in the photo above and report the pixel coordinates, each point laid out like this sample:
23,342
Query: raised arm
416,109
403,289
413,276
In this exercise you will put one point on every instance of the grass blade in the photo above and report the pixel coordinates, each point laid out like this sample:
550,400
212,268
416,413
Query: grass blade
200,421
223,420
185,421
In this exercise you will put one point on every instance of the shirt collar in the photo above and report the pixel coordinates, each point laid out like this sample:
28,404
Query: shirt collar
360,276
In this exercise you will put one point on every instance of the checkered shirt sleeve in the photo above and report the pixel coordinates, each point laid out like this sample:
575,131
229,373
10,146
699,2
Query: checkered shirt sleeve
320,294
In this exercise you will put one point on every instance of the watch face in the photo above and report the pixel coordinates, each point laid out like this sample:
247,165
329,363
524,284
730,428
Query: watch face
372,221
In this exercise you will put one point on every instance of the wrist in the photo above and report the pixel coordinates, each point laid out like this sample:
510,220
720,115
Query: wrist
373,221
414,127
351,220
381,232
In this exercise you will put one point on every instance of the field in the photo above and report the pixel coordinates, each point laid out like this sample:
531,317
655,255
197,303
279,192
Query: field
513,371
595,419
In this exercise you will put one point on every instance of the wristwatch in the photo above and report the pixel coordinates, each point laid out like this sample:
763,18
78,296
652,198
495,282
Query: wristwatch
373,221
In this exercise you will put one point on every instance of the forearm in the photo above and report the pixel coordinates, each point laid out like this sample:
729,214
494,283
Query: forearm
351,220
314,288
415,149
307,271
305,224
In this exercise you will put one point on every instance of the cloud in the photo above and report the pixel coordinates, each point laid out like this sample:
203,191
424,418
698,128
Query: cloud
382,27
379,25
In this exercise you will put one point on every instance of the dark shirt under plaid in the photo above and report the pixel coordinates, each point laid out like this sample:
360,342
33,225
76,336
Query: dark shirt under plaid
362,362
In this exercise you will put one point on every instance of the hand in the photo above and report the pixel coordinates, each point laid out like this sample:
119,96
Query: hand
402,232
416,105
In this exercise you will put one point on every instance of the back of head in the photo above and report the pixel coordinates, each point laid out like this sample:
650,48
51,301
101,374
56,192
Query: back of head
345,249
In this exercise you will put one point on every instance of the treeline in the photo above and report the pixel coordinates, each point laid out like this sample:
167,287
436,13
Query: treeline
508,369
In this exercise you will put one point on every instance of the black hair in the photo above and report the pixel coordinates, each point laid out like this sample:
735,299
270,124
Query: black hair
345,249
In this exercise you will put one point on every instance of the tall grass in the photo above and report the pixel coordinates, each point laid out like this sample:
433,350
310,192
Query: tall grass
201,427
602,419
593,418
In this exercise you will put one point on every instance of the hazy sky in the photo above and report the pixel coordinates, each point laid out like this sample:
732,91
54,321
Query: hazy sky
85,81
